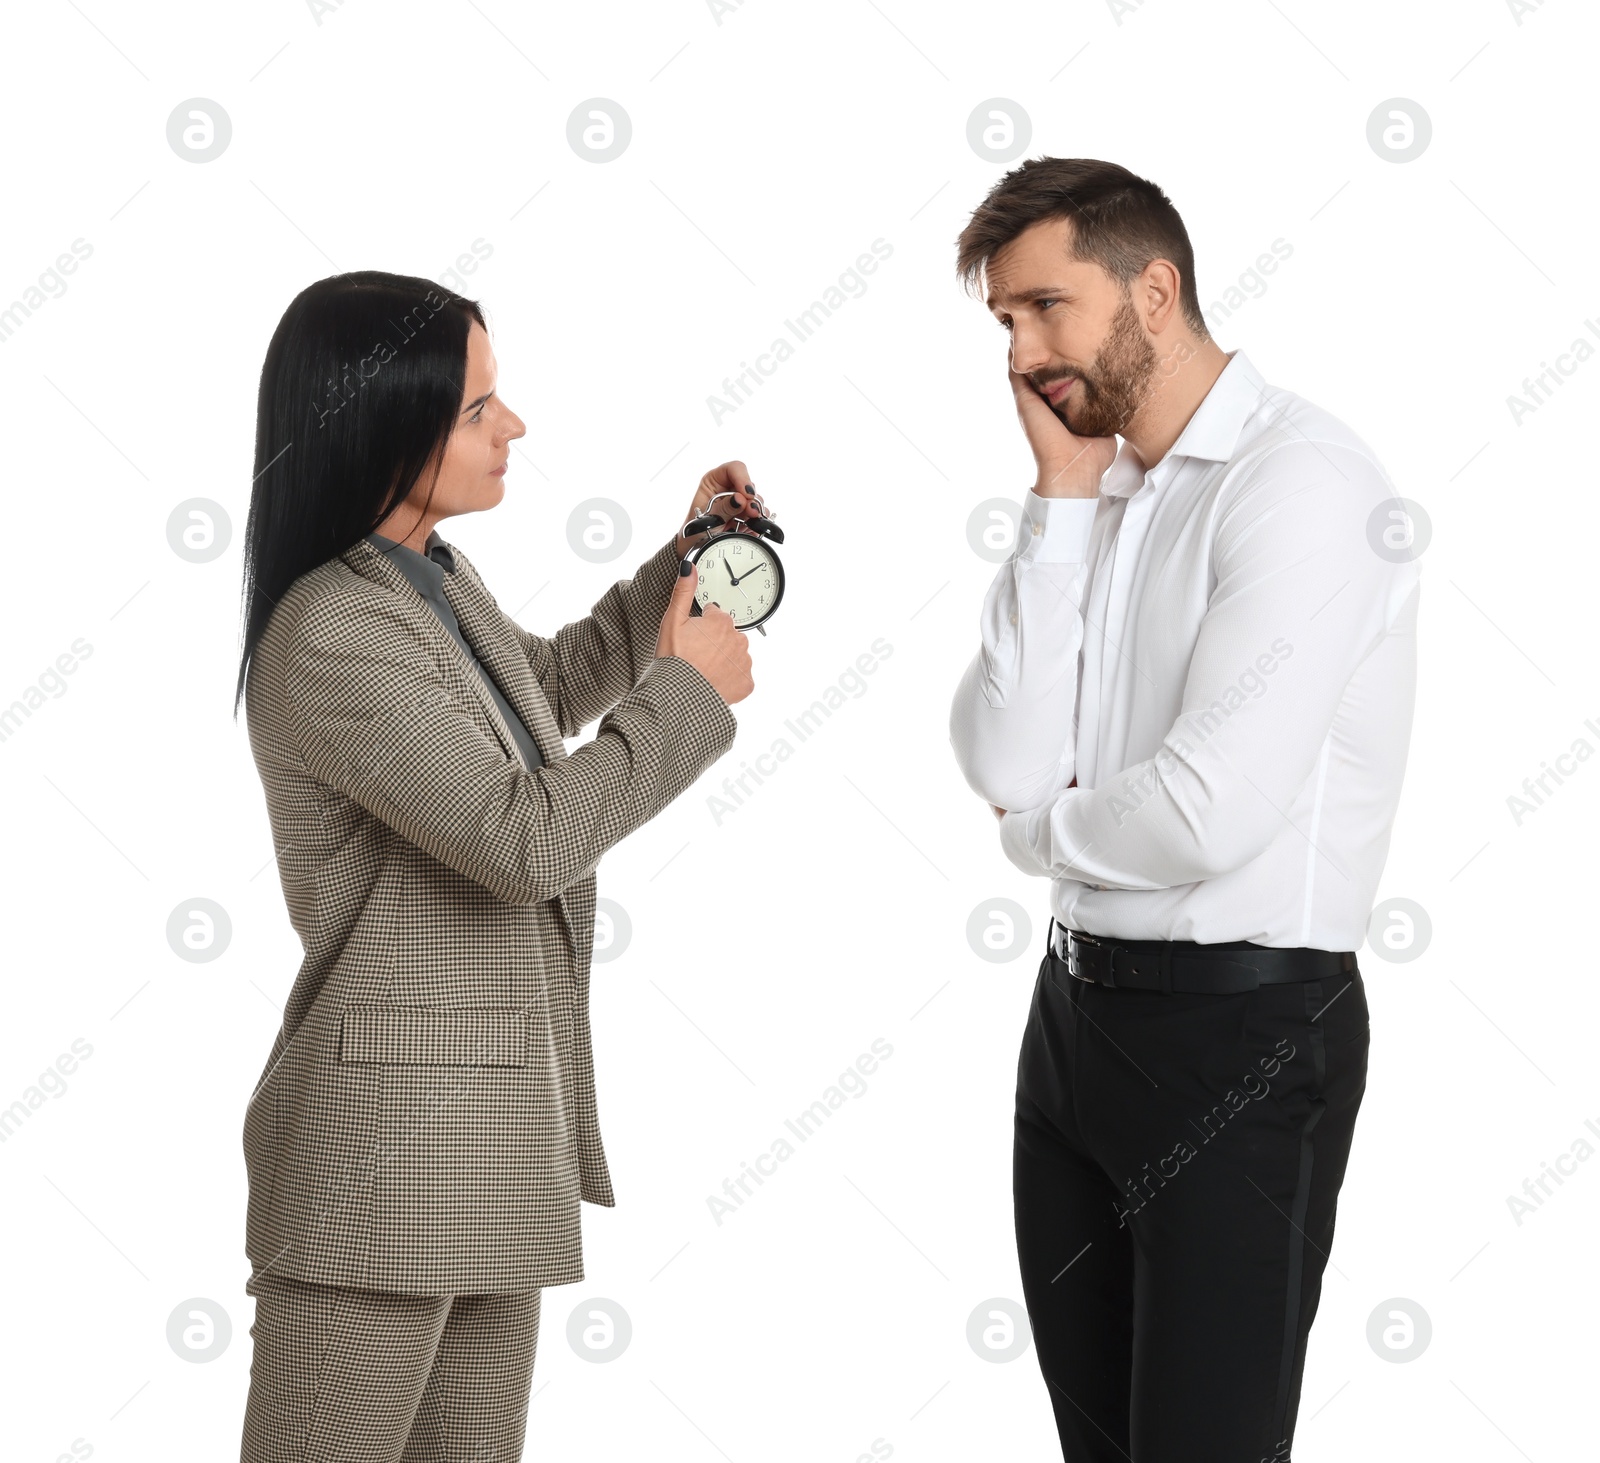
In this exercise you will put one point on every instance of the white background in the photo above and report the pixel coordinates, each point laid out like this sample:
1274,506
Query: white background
768,151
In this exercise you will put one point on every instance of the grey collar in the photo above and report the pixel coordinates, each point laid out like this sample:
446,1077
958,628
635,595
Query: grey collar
426,570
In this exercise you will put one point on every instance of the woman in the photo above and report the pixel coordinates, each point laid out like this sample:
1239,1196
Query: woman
425,1126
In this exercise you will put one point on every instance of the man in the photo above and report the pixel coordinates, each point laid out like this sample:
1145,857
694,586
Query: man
1190,709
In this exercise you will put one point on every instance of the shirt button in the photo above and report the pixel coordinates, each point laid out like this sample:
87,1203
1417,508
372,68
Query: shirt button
1013,618
1038,528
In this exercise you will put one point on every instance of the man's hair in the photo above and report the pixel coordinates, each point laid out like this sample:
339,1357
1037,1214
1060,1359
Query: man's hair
1120,221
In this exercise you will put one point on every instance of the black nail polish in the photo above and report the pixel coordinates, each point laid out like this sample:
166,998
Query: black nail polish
685,569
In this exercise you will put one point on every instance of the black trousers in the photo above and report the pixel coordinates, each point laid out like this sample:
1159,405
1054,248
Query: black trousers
1177,1165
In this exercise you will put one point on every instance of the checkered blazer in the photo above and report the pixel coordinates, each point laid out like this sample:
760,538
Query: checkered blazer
426,1120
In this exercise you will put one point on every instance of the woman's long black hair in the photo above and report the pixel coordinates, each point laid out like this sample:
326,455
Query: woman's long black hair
359,393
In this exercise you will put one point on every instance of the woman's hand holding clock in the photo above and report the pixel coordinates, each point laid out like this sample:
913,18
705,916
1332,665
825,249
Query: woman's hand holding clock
728,539
710,641
730,477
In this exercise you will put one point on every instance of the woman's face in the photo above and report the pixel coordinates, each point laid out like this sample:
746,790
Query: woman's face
472,473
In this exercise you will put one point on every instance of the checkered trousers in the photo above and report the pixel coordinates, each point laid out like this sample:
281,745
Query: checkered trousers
354,1376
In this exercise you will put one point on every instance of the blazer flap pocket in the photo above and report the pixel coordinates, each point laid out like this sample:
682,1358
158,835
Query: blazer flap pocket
470,1036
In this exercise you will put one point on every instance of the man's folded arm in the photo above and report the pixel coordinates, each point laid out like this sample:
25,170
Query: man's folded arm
374,720
588,665
1301,598
1013,717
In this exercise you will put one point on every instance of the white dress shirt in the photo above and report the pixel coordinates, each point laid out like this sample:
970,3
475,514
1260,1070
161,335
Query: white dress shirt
1221,651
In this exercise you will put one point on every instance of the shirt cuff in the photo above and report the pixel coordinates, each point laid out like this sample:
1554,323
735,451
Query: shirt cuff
1055,530
1015,845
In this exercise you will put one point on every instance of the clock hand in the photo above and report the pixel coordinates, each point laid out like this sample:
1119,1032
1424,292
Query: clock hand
733,579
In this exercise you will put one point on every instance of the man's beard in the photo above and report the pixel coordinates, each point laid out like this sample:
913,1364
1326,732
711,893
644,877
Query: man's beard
1114,388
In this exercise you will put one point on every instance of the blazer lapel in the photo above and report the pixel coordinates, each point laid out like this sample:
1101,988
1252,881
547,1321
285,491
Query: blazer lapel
484,625
485,630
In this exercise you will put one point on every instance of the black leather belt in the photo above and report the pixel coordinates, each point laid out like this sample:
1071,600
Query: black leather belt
1188,966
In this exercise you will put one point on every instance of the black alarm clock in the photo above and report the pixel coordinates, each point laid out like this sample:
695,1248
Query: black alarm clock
739,570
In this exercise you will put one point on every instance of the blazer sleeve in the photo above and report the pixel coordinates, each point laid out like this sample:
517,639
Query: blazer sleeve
587,666
374,720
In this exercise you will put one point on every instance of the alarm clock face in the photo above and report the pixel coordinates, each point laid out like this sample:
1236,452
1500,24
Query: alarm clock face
741,574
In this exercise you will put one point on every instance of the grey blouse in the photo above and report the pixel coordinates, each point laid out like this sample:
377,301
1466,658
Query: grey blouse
426,572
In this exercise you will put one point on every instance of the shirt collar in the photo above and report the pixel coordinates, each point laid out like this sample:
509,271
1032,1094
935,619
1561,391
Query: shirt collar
1211,434
425,570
